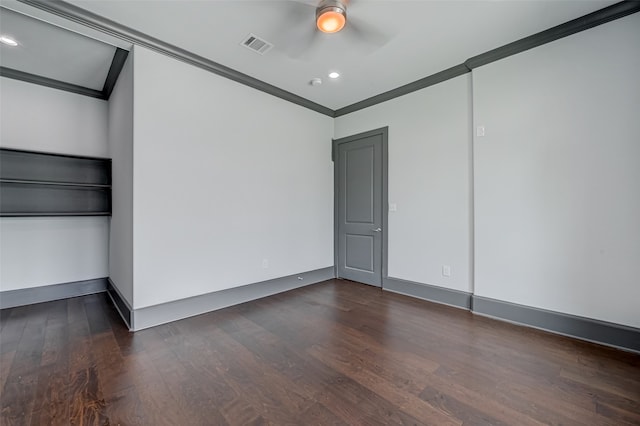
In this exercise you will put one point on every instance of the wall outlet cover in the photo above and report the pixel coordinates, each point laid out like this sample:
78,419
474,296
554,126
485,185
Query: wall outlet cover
446,270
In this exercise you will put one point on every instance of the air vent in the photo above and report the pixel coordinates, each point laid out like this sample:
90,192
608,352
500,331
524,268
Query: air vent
257,44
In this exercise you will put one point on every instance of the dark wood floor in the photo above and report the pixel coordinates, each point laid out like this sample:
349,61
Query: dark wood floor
331,353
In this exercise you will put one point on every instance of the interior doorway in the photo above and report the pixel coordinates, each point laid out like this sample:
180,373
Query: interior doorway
361,204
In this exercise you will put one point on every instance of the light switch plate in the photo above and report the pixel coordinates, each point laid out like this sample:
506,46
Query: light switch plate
393,207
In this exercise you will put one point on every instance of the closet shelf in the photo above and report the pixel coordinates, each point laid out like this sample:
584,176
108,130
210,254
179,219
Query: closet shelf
45,184
41,182
54,214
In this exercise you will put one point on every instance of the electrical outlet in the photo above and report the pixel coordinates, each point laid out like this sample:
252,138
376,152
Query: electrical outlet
446,270
265,263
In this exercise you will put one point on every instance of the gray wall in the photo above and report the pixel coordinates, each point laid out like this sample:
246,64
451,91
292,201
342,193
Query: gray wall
557,176
51,250
224,177
121,150
429,180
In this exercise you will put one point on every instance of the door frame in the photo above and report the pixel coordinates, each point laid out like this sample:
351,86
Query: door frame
384,132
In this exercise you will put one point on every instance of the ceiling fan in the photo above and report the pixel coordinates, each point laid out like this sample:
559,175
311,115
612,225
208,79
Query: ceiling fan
308,23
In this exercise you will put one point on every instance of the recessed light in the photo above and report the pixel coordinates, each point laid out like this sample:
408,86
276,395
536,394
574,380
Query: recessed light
8,41
334,74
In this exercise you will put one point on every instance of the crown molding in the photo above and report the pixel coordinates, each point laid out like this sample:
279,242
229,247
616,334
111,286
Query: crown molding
114,29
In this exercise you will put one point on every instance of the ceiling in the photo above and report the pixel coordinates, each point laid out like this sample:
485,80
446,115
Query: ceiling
50,51
414,39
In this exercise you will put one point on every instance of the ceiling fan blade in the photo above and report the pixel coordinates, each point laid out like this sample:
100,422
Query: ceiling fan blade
297,10
301,46
363,33
298,32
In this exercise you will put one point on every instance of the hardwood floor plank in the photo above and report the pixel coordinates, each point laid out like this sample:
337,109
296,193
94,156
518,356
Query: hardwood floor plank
4,317
292,363
331,353
617,415
631,406
94,308
188,395
87,405
624,387
159,405
202,362
354,367
116,372
513,391
18,400
18,396
318,414
79,336
406,369
52,392
268,391
54,350
12,328
56,414
123,407
6,359
457,409
240,411
52,388
496,407
355,404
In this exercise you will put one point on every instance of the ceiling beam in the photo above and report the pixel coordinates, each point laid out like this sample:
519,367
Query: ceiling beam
50,82
119,58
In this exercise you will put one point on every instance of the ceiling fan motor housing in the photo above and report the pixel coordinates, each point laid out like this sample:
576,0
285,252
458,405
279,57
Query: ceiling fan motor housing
331,6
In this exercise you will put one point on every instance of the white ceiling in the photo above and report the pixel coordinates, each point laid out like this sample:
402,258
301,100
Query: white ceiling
50,51
423,37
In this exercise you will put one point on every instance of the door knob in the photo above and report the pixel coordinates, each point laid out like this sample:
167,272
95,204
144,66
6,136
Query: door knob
377,230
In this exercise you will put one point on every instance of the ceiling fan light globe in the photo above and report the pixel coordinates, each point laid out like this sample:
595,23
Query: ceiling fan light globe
331,20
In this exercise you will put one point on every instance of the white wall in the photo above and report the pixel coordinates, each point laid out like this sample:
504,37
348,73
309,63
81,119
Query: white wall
121,152
429,180
557,176
39,118
42,251
224,177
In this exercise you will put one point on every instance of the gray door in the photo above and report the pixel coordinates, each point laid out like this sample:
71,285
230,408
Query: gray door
359,165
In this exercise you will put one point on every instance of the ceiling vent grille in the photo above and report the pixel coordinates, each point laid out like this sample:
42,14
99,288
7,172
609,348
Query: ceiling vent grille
257,44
